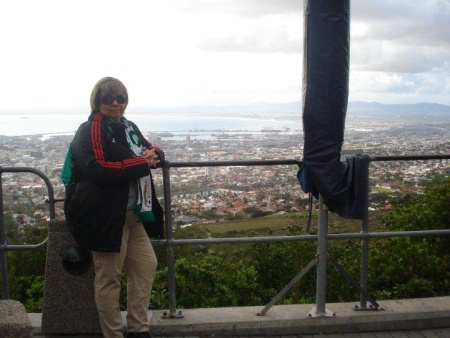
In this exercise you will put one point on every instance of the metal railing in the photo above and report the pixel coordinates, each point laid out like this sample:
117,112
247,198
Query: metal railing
322,237
4,247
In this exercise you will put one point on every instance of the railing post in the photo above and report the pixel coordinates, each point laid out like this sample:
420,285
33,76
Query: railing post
321,285
364,252
169,245
3,260
365,246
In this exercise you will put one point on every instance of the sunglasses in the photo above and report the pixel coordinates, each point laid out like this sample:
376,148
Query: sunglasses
109,99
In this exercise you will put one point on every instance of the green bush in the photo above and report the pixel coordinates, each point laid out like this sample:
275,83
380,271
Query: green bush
252,274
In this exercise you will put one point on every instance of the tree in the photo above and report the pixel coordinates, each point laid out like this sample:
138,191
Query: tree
26,270
419,266
252,274
428,211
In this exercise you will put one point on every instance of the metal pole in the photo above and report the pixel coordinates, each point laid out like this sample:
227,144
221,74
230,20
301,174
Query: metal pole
287,287
321,285
321,290
169,245
3,259
364,248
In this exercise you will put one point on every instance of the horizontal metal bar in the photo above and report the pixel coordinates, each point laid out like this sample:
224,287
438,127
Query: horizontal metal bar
410,157
417,233
24,247
373,158
231,163
51,197
304,238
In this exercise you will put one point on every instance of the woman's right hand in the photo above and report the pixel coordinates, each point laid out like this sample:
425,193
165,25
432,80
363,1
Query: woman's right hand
151,156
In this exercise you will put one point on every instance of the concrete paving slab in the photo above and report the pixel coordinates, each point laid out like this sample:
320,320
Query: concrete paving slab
293,320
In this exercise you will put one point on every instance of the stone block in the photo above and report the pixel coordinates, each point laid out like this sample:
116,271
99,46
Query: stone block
14,320
68,305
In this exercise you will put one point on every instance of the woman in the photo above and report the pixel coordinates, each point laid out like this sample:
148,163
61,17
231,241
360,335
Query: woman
111,207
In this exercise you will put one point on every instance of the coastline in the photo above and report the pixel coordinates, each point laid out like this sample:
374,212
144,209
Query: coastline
45,124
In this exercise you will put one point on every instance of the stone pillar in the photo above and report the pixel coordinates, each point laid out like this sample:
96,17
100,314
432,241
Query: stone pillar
69,305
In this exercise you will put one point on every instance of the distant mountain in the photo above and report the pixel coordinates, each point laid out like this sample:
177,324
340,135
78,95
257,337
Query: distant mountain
295,109
376,108
258,108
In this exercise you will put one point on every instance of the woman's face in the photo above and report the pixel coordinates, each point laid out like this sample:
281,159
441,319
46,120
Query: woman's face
113,105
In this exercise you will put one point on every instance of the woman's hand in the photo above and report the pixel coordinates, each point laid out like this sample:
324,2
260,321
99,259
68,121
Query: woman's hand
151,156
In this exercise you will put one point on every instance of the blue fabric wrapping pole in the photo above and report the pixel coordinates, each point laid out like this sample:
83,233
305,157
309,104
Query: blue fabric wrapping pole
325,170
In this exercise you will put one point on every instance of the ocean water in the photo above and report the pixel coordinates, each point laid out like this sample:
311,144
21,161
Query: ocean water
37,124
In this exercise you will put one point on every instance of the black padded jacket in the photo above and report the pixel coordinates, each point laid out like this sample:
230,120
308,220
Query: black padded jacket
97,195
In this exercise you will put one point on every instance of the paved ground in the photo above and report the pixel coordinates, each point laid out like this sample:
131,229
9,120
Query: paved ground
431,333
426,317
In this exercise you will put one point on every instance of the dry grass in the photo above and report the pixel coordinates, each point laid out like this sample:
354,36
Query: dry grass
280,222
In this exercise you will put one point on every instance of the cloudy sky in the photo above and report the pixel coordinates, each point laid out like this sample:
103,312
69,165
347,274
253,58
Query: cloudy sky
220,52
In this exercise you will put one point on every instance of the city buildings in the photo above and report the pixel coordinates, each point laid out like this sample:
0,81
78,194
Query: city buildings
211,194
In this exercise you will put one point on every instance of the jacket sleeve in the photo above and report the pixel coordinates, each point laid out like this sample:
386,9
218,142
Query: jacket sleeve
90,152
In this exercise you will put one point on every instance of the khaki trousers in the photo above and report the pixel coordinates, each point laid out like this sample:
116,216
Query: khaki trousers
138,258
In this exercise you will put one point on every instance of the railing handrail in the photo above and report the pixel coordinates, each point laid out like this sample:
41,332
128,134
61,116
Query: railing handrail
384,158
170,242
51,197
230,163
303,238
3,245
364,235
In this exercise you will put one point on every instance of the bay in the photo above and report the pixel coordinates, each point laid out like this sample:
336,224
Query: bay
41,124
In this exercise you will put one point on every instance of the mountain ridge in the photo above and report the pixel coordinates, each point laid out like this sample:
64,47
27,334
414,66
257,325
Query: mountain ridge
295,108
355,108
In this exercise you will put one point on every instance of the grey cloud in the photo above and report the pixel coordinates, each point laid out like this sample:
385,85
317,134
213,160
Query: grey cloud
408,88
262,42
269,40
384,10
410,32
403,60
253,44
401,65
244,8
408,60
406,22
401,36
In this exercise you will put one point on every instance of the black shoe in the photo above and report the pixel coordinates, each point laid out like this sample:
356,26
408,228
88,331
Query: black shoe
140,335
